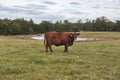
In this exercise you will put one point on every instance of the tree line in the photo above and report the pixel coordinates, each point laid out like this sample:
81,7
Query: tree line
22,26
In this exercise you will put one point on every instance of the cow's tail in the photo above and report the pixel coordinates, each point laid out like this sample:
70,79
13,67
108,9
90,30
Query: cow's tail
44,40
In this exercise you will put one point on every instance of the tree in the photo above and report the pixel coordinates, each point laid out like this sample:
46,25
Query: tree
100,24
117,25
59,26
110,26
66,23
46,26
79,25
15,29
22,26
88,25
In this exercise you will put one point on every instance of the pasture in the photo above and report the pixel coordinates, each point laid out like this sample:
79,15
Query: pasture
22,58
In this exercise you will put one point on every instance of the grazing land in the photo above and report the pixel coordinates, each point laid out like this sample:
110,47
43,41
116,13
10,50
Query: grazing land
22,58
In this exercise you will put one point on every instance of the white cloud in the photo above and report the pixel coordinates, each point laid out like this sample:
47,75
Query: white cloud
53,10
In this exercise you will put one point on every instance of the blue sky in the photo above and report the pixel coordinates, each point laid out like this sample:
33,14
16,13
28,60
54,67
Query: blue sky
53,10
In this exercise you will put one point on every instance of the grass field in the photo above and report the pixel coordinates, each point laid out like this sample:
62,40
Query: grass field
24,59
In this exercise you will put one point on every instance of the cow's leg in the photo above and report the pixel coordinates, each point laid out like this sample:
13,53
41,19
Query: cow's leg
66,48
46,46
50,47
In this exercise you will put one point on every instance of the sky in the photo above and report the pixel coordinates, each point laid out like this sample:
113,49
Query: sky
53,10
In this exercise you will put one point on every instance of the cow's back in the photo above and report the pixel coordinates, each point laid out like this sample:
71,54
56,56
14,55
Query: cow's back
56,37
51,35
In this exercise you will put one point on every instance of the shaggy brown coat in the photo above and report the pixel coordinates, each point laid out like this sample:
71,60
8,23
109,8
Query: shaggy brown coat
59,38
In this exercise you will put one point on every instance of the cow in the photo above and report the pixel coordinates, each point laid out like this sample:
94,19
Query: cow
58,39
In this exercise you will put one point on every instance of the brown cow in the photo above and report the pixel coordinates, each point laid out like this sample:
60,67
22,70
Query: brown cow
59,38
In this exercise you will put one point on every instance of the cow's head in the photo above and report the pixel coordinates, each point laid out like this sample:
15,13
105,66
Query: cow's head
73,36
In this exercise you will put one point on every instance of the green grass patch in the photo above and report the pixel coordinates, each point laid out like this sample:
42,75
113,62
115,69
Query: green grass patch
26,59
